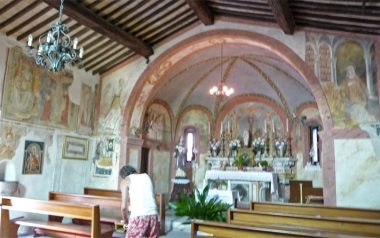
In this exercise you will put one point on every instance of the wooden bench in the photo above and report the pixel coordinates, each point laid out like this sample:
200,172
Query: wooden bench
225,230
103,202
160,199
316,210
279,220
81,211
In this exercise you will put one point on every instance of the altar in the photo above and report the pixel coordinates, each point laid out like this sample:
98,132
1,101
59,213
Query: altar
250,185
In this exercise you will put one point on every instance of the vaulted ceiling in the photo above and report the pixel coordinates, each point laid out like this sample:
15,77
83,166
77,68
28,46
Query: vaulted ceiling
111,32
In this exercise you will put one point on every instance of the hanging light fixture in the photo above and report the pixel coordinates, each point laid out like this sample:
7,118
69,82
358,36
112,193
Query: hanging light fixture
55,47
221,90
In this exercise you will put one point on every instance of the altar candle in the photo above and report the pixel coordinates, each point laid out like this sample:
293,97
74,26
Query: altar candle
265,126
273,125
209,128
228,126
221,128
287,125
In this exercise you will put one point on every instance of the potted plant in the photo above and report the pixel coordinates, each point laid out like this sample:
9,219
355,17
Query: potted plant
199,206
264,165
241,161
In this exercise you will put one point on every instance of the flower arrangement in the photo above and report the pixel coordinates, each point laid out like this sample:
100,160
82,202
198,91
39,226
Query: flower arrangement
234,144
258,144
214,147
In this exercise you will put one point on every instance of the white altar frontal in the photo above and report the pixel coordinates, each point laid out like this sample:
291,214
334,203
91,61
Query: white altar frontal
250,186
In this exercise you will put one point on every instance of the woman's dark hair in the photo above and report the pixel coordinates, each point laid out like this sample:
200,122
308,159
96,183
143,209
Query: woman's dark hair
127,170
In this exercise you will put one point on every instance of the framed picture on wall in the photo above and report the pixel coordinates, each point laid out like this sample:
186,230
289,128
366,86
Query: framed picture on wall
33,157
243,189
75,148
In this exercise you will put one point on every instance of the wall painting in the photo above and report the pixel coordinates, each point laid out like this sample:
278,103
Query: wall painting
33,157
35,95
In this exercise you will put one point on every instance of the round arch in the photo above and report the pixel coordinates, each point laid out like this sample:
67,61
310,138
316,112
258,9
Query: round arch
142,91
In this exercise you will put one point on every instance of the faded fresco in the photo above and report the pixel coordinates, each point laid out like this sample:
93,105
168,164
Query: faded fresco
347,72
111,106
9,140
198,119
35,95
106,156
86,109
252,120
157,123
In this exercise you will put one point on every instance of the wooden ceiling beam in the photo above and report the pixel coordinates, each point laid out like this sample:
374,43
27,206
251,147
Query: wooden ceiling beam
38,26
9,6
113,62
202,11
283,15
88,18
19,14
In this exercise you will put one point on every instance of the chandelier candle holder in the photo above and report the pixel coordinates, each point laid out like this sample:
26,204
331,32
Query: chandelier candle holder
55,47
221,90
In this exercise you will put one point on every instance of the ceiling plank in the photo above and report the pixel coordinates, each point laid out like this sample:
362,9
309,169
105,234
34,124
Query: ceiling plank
19,14
28,21
283,15
90,19
9,6
38,26
202,11
113,63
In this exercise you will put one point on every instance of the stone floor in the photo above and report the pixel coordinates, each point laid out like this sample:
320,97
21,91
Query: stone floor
174,228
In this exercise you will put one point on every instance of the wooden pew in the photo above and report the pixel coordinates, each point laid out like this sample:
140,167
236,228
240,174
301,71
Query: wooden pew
80,211
160,199
225,230
316,210
282,221
102,201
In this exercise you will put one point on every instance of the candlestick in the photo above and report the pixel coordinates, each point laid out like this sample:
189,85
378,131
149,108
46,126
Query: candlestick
228,127
287,125
209,128
273,125
221,128
265,126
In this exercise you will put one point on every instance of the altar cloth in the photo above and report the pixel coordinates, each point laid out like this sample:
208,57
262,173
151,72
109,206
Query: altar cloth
272,178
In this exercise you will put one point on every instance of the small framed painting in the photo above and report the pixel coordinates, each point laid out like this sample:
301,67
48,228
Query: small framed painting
33,157
75,148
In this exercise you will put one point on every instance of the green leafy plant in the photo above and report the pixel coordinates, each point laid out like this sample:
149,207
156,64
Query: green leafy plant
197,206
264,164
241,160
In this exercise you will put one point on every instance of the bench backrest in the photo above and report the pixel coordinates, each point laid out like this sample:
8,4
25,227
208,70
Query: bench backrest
219,229
316,210
81,211
249,217
160,200
102,201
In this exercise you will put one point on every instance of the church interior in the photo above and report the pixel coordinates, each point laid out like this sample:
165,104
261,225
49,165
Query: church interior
264,101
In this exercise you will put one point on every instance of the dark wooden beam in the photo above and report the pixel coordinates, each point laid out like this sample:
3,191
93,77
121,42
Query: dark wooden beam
27,21
19,14
203,12
88,18
113,63
283,15
9,6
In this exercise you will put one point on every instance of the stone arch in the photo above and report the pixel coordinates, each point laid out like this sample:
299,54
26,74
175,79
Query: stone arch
145,86
156,71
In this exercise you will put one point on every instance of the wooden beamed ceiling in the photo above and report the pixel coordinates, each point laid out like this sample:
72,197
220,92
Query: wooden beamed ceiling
112,32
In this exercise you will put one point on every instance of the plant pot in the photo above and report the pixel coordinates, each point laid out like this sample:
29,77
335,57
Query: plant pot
240,167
